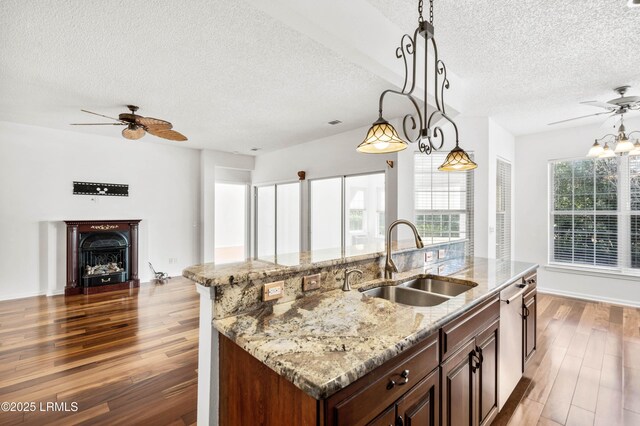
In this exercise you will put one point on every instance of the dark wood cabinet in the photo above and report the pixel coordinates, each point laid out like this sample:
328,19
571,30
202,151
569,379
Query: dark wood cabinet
457,386
387,418
529,319
470,380
487,373
421,405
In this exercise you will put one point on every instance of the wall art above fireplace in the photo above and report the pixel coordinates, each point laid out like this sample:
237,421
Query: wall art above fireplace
107,189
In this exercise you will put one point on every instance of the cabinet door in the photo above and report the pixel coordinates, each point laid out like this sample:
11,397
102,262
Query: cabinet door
529,318
487,375
457,387
388,418
421,405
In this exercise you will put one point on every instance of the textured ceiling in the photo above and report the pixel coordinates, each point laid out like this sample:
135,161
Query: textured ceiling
231,77
529,62
227,76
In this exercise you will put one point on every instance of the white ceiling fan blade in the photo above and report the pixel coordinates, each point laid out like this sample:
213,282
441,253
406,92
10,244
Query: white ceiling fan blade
599,104
578,118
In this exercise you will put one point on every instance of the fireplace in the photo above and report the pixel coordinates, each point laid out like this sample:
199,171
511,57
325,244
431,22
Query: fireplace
101,256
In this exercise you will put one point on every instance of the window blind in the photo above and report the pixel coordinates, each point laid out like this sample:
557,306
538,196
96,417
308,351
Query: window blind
595,205
503,210
443,201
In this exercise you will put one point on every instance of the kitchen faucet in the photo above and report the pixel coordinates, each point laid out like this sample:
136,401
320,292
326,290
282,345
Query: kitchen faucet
389,266
347,273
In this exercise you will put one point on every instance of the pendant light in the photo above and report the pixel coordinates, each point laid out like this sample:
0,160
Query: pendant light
382,138
607,152
596,150
419,126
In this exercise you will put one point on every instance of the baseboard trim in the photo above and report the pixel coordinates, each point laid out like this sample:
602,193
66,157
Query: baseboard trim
21,296
588,297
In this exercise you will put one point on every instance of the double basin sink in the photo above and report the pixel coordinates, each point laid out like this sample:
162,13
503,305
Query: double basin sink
423,291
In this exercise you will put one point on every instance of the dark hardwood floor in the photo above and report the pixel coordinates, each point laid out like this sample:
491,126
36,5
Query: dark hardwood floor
131,357
126,357
586,370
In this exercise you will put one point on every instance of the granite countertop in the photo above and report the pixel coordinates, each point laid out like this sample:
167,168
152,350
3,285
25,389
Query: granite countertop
213,275
324,342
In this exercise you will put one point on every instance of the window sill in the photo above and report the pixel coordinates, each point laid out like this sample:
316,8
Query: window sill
594,272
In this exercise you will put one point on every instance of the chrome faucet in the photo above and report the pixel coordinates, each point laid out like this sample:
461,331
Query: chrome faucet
347,273
389,266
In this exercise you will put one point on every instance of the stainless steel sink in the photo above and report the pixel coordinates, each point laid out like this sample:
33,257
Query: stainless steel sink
434,285
406,296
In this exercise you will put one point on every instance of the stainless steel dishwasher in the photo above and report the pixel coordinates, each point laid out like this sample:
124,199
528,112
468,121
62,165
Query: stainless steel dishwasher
510,366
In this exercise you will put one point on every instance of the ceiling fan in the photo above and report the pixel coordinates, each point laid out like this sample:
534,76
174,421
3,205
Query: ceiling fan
617,106
138,126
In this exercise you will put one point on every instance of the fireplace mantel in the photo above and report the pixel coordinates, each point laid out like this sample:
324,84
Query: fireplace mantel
77,227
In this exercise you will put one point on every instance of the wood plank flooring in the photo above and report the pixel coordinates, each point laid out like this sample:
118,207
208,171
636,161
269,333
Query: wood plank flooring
131,358
126,357
586,370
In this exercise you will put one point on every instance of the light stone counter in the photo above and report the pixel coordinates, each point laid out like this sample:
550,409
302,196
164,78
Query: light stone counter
324,342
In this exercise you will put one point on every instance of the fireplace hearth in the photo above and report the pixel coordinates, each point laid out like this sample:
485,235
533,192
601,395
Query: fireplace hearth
101,256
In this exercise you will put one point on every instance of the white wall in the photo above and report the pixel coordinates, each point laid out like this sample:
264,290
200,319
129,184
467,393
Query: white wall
37,170
533,153
171,189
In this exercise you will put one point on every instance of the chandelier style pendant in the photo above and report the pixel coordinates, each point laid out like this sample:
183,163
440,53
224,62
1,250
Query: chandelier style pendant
419,126
621,140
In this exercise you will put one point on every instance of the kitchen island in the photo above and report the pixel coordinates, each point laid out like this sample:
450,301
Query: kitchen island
314,357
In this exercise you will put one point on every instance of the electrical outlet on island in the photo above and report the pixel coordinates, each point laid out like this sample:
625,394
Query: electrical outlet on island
273,291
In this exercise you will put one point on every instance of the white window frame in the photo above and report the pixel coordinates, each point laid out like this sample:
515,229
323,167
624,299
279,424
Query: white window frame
623,214
256,208
343,206
469,211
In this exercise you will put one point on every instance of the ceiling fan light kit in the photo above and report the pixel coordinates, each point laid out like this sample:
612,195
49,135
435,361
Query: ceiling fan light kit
419,126
138,126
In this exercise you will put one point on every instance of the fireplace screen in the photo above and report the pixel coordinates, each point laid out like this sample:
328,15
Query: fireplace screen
103,258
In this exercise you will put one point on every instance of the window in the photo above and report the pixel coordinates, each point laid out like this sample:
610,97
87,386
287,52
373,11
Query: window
595,208
277,212
443,201
230,223
347,213
503,210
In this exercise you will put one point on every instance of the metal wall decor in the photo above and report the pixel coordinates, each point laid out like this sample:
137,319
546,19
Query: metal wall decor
420,125
107,189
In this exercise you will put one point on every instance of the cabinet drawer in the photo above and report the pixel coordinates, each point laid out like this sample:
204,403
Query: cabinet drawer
457,332
360,402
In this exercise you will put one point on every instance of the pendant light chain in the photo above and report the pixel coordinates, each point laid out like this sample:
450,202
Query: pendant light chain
431,12
420,18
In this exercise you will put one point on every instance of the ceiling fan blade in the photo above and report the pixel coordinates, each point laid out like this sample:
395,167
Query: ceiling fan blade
155,123
600,104
97,124
578,118
100,115
171,135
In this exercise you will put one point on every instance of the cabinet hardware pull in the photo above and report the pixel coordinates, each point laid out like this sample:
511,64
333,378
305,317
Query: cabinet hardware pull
105,280
515,296
399,421
405,375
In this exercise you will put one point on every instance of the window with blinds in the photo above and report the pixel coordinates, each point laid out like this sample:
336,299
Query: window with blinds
595,212
503,210
443,201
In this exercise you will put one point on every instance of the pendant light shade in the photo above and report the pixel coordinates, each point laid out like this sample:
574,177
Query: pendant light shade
457,161
607,152
596,150
623,145
382,138
636,148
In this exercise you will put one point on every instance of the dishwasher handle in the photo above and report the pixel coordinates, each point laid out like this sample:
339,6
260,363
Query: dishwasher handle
515,296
